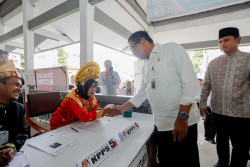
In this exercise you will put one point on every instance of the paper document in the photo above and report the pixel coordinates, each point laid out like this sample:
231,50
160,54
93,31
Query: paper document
63,132
4,137
93,126
20,160
51,143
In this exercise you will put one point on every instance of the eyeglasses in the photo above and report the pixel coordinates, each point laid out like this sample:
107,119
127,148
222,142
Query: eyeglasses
132,47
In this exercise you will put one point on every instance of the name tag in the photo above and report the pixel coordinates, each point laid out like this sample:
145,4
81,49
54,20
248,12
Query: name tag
123,135
97,156
153,83
4,137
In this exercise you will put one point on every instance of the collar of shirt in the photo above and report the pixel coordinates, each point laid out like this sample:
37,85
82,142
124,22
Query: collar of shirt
155,50
153,55
233,56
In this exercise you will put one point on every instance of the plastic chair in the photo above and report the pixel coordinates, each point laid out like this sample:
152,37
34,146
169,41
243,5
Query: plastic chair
40,104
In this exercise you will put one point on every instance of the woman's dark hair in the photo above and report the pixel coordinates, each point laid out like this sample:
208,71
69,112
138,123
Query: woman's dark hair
136,36
82,90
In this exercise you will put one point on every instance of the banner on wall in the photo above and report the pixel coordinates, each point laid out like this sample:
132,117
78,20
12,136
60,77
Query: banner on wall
51,79
165,9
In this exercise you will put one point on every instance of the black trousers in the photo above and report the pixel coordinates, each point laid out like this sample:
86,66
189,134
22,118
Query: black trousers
174,154
209,126
236,129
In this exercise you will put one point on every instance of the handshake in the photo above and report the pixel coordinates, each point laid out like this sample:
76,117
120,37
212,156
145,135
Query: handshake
111,110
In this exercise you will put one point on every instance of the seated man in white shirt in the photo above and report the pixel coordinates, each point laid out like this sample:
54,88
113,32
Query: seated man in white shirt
171,87
4,56
128,90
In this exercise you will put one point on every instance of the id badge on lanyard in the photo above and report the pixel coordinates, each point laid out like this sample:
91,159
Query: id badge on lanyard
153,80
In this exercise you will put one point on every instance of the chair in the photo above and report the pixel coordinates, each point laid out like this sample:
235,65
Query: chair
40,104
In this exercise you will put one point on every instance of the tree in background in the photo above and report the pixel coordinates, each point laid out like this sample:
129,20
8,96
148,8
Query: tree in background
196,57
62,57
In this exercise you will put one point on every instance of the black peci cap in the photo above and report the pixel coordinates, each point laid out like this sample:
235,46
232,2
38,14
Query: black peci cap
229,31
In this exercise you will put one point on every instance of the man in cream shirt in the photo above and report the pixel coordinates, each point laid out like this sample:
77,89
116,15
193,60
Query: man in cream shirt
171,87
228,78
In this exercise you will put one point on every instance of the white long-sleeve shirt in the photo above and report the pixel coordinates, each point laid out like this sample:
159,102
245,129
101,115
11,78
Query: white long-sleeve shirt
175,84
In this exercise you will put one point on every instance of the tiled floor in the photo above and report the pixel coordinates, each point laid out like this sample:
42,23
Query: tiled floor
207,151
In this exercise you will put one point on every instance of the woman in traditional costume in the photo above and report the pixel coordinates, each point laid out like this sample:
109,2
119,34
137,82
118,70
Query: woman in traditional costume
80,103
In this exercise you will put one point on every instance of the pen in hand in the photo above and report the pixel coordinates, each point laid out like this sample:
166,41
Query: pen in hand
5,160
74,129
6,156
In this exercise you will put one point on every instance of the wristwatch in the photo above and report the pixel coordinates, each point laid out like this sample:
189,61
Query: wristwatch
183,115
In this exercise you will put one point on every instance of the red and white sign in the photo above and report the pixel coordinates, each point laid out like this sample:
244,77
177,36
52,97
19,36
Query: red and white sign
51,79
97,156
123,135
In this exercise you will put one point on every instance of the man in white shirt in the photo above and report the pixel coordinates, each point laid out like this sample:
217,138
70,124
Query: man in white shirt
171,87
128,90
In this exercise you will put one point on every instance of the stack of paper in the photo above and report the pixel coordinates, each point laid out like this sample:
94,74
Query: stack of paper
51,143
20,160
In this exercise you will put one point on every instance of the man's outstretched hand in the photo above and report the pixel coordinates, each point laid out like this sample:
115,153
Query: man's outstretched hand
110,111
